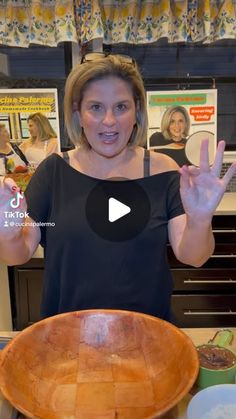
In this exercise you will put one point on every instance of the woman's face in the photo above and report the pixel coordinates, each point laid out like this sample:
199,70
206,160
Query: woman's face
4,135
33,129
107,115
177,126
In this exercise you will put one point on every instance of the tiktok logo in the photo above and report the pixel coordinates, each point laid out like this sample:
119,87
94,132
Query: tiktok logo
15,202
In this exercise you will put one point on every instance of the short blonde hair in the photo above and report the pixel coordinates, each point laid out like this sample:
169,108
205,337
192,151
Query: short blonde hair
45,130
101,68
166,119
2,126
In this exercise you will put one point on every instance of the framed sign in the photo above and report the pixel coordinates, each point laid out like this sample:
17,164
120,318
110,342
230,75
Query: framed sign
29,130
180,120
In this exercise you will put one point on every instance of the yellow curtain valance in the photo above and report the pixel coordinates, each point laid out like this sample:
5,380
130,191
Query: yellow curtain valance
23,22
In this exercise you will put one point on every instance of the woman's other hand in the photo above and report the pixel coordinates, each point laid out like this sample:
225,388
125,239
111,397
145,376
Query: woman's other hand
201,188
13,208
19,236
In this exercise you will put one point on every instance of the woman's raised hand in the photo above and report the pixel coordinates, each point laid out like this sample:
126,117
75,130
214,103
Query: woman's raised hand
201,188
13,208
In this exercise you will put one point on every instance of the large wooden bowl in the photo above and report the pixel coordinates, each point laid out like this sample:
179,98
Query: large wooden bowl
98,364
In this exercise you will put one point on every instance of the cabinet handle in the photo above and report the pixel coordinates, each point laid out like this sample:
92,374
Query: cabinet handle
208,281
224,230
211,313
224,256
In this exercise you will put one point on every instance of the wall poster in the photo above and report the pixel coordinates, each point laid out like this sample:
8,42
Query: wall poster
179,120
29,131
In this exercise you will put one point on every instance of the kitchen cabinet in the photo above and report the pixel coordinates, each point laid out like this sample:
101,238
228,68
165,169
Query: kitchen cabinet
203,297
26,291
206,296
5,302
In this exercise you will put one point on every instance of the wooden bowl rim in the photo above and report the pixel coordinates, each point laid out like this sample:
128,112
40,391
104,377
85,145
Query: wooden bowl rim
79,313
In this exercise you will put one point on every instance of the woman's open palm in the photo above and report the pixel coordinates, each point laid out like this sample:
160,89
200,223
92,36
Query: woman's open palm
201,188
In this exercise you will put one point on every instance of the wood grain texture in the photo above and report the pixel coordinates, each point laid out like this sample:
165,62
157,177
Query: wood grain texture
98,364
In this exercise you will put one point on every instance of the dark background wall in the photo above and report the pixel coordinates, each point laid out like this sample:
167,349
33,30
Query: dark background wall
163,66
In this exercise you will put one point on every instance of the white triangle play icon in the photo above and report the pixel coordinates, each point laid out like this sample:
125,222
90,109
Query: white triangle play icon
116,209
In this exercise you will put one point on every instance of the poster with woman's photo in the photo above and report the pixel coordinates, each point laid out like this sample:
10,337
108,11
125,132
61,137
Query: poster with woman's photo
29,131
179,121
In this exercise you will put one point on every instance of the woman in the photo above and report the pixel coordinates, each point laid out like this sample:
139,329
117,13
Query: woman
12,160
106,119
42,142
171,140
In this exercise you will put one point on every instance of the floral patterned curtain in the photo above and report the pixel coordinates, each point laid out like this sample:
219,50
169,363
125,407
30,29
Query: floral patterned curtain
139,22
44,22
49,22
212,20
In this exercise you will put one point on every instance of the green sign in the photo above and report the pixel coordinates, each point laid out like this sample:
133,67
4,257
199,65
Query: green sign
178,99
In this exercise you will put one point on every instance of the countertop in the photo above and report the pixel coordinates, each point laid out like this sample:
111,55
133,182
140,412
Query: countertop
198,336
227,206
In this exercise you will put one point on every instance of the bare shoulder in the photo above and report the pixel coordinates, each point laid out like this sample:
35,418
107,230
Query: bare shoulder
52,146
25,144
160,163
53,140
71,153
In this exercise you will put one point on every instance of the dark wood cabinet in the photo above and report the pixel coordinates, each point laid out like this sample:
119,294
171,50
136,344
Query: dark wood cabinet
205,280
26,290
205,310
206,296
203,297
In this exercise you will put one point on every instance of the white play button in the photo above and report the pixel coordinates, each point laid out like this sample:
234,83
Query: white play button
116,209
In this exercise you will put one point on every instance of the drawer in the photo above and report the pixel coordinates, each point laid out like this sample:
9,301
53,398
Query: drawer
205,310
223,280
225,249
224,222
225,236
223,257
